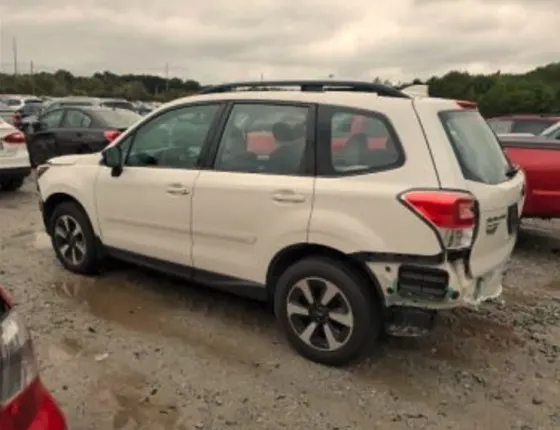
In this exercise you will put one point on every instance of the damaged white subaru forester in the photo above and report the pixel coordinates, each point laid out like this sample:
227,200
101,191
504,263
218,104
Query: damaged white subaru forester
351,206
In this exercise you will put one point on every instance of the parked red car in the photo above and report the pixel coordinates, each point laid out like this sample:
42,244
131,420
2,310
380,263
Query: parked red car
540,160
25,404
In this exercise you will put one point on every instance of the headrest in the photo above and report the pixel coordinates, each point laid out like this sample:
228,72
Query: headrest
282,132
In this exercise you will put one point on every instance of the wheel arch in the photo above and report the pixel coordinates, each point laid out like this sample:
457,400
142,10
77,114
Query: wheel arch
55,200
296,252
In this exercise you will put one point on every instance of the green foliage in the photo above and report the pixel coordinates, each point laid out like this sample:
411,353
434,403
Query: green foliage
537,91
105,84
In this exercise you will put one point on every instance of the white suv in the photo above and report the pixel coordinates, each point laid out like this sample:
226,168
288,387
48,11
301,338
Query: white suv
351,206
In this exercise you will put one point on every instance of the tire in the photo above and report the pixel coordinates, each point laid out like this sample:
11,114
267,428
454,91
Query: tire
73,217
11,184
357,307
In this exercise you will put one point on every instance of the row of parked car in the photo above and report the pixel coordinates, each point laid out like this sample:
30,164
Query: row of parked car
354,208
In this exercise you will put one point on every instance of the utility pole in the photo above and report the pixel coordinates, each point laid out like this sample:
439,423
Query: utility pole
14,49
166,77
31,77
1,46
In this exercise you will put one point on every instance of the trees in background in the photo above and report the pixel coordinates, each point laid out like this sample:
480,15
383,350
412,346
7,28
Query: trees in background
537,91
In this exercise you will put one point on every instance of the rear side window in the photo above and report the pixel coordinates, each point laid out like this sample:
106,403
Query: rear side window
475,145
360,142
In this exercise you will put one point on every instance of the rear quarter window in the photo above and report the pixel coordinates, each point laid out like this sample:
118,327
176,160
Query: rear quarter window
360,142
476,147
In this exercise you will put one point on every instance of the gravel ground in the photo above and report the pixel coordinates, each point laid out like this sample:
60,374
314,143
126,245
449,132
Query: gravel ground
134,350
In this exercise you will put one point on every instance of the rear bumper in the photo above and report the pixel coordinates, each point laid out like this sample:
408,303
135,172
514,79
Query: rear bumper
14,172
442,286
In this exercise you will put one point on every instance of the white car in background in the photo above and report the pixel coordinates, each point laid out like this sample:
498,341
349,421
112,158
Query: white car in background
18,102
14,158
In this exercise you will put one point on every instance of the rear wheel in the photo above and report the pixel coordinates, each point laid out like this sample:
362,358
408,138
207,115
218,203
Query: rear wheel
73,239
11,184
327,311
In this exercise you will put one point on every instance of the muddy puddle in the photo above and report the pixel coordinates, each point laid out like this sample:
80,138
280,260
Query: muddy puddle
221,325
119,301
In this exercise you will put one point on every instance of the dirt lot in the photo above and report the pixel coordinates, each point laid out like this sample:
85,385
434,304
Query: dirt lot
133,350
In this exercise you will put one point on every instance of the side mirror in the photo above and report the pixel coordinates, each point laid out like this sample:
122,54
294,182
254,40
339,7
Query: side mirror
112,157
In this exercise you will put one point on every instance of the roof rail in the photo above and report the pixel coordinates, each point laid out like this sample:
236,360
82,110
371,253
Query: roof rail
308,85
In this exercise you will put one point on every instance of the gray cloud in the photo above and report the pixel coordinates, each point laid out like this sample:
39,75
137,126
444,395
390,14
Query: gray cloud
219,40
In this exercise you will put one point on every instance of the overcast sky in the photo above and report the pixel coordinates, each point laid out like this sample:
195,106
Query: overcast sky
220,40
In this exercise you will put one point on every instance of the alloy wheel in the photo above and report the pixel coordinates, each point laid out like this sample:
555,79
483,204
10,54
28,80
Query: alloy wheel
320,314
69,240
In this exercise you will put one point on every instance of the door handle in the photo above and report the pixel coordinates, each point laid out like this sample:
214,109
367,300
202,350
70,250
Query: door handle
177,190
287,196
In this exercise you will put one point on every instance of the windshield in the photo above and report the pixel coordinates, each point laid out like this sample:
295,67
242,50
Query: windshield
475,145
33,101
119,118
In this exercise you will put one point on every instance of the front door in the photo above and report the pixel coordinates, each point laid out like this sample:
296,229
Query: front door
146,210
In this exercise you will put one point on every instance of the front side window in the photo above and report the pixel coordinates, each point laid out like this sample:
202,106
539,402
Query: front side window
173,139
475,146
361,142
52,119
76,119
264,138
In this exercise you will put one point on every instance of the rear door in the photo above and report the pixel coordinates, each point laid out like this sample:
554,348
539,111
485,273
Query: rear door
469,157
41,142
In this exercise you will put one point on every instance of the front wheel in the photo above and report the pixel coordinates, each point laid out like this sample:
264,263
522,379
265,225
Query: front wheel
327,311
11,184
73,239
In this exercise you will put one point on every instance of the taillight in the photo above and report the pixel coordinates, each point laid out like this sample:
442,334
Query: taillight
15,138
453,215
19,373
111,135
466,104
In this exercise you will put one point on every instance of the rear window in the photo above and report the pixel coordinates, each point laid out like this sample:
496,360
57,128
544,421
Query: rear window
500,126
531,126
119,118
77,104
476,147
12,102
120,105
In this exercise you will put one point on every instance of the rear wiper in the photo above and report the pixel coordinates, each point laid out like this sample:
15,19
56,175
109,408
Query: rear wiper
512,171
